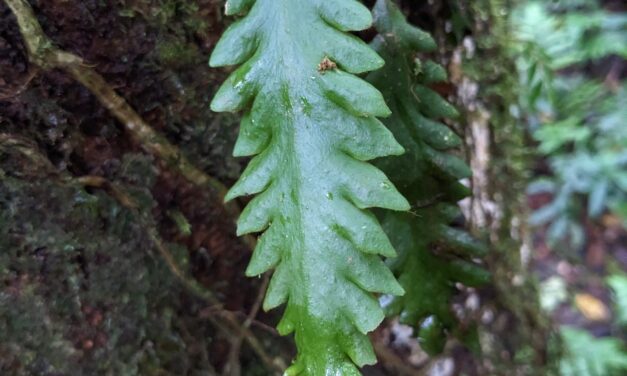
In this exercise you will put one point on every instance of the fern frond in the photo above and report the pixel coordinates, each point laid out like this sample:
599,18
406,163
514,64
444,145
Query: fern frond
587,355
311,126
433,256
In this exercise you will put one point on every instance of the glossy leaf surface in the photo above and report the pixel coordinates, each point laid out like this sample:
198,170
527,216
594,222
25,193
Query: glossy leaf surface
433,255
311,125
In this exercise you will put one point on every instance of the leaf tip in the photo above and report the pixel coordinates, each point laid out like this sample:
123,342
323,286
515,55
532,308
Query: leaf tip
230,195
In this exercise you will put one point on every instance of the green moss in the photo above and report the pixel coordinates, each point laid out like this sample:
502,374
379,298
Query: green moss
177,53
82,292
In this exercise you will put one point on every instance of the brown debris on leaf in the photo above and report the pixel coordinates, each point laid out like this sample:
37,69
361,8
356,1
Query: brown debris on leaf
326,64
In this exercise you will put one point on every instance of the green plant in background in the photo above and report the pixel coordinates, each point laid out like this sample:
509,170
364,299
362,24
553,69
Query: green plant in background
578,121
618,283
433,255
586,355
588,154
311,125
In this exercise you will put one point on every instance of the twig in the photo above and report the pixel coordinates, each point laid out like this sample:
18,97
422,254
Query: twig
117,193
217,311
190,283
28,149
257,305
393,362
43,53
201,348
233,365
276,364
6,94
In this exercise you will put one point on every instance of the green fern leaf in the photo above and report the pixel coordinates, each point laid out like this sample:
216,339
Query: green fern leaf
586,355
311,126
618,283
428,175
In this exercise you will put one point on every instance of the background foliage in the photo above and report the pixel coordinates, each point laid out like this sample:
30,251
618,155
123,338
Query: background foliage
577,118
571,62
